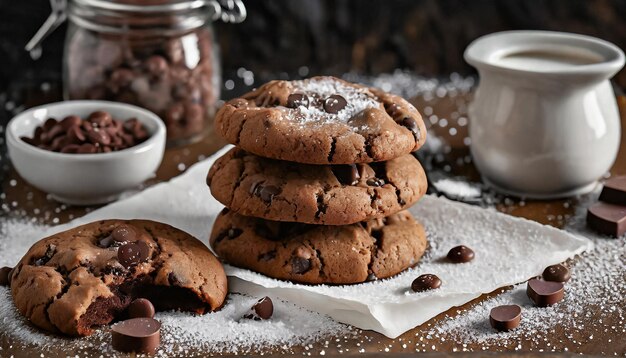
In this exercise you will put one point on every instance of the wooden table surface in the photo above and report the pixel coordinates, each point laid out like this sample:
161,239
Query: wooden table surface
25,201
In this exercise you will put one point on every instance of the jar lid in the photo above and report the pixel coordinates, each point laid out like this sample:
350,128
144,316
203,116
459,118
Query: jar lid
233,11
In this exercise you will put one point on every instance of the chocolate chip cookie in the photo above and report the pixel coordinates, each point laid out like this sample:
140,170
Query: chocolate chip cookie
316,254
322,120
76,280
331,194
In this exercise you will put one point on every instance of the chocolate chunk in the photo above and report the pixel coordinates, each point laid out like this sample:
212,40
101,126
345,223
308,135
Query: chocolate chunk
296,100
460,254
233,233
334,104
100,119
5,279
346,174
133,253
505,318
75,134
607,219
106,242
156,65
263,309
266,193
426,282
86,148
556,273
141,307
377,182
70,121
139,335
371,277
544,293
300,265
411,125
97,136
614,191
123,233
70,149
50,122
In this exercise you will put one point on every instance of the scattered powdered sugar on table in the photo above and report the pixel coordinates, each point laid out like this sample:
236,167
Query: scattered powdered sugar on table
357,101
457,188
597,289
182,333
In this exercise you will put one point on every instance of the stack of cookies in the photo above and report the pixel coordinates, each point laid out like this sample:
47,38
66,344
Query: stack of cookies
317,187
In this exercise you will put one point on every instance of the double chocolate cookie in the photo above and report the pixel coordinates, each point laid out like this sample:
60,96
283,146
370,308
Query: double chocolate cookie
76,280
313,194
322,120
316,254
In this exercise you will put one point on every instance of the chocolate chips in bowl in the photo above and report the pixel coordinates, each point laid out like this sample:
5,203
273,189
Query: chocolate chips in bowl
97,133
47,146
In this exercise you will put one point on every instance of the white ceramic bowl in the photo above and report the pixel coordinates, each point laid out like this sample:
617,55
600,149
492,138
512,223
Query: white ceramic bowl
85,179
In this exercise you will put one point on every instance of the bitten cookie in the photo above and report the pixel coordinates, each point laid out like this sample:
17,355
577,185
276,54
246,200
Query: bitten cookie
87,276
322,120
331,195
318,254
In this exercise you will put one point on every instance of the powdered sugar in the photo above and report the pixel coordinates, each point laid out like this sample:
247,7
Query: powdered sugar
357,101
457,188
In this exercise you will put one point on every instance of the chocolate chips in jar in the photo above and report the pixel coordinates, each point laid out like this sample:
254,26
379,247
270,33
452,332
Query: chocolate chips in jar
98,133
174,76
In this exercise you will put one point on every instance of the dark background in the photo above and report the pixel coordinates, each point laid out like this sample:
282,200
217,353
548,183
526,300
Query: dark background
335,36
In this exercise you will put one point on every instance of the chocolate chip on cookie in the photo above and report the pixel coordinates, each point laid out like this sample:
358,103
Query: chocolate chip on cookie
322,120
5,276
318,254
314,194
90,275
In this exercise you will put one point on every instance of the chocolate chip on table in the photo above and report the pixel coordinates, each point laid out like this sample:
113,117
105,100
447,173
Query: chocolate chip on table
5,279
426,282
505,318
346,174
123,233
133,253
614,191
545,293
296,100
141,307
300,265
556,273
607,219
460,254
139,335
263,309
334,104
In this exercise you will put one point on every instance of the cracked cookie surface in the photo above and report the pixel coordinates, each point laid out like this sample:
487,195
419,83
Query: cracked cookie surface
331,194
322,120
76,280
317,254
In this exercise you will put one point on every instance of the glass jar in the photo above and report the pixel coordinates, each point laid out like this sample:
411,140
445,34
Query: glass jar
157,54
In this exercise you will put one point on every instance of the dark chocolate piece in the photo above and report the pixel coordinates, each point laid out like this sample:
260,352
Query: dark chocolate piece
5,279
614,191
263,309
296,100
300,265
141,307
556,273
426,282
607,219
334,104
133,253
505,318
347,174
460,254
139,335
123,233
545,293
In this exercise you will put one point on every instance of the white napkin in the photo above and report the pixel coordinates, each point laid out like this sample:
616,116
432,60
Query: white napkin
508,250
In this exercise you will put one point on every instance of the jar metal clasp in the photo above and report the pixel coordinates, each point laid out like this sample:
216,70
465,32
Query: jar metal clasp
232,11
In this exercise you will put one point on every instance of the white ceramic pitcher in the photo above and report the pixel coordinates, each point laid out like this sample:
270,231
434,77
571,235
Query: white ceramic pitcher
544,121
